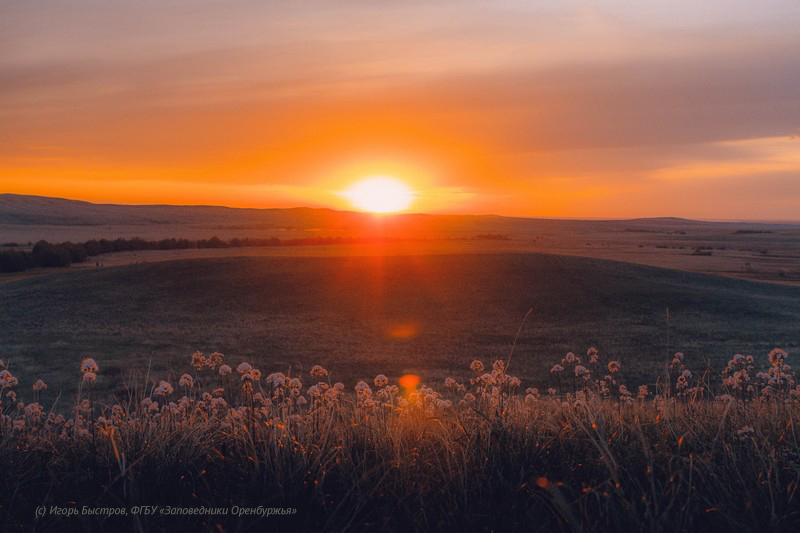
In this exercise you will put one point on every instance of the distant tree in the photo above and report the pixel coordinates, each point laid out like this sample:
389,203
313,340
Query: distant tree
15,261
93,247
51,255
77,252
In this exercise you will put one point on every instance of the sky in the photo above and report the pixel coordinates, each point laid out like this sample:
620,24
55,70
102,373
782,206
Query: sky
598,109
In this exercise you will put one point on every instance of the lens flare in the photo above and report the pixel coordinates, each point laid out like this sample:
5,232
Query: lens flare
409,382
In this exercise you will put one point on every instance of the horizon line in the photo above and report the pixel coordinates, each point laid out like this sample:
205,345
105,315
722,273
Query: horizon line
404,213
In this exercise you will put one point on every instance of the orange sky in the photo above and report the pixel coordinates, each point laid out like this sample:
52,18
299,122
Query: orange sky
586,109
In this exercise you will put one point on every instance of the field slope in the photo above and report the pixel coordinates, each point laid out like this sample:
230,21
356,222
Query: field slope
362,315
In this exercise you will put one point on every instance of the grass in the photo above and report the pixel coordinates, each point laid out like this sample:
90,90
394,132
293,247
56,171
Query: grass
479,454
426,315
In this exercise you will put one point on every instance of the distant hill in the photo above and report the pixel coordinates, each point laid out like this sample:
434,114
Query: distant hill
18,209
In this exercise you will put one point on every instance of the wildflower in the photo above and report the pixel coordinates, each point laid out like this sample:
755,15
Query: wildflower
338,386
362,388
39,385
443,404
218,403
643,393
777,356
33,410
476,366
198,360
89,377
163,389
89,365
581,371
499,365
244,368
301,401
276,379
449,383
381,380
591,353
295,383
224,370
186,381
332,394
613,366
313,391
219,391
469,397
514,382
557,368
214,359
7,380
318,371
570,358
677,360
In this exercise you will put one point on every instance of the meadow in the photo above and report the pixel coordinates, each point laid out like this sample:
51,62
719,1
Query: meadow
417,314
478,454
398,393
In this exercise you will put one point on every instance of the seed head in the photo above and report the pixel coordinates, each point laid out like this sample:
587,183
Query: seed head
476,366
318,372
163,389
88,365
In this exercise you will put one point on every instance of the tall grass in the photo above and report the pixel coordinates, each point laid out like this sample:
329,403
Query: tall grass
478,455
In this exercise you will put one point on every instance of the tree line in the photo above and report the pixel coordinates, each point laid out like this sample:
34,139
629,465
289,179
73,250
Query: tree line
45,254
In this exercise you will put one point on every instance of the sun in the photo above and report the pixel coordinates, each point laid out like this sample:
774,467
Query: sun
380,194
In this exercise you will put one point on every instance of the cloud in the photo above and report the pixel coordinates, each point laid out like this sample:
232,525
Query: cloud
500,102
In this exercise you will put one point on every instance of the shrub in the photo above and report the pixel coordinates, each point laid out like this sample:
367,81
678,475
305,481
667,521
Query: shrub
51,255
15,260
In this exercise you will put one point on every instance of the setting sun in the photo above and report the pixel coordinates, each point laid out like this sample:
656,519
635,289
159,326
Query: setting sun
380,194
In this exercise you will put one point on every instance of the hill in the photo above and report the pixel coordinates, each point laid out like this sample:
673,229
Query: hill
362,315
37,210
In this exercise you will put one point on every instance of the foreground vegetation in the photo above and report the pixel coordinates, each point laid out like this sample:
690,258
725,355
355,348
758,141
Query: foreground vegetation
482,454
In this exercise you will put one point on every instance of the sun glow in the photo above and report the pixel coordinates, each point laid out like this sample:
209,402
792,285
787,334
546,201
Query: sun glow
380,194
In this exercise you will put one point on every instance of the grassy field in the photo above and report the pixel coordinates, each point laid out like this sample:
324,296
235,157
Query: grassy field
477,454
357,316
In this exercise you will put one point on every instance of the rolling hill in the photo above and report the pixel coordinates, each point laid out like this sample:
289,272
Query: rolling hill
37,210
359,316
